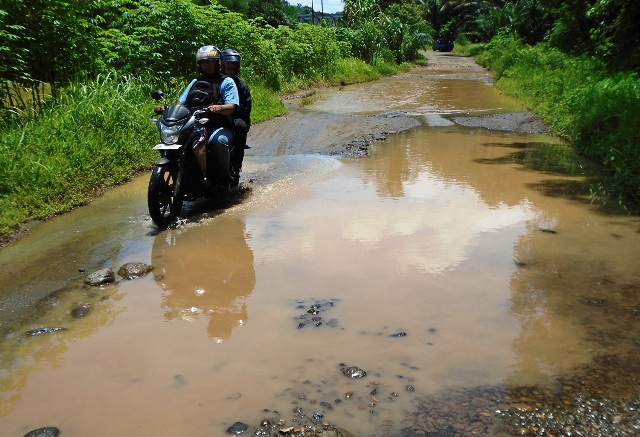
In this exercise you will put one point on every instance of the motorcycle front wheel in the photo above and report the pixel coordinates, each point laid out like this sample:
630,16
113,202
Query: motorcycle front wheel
165,204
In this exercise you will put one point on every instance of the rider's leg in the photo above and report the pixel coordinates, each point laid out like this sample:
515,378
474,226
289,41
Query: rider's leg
218,152
239,141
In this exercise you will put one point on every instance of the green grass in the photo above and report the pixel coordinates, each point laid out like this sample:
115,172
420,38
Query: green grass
88,140
266,104
309,98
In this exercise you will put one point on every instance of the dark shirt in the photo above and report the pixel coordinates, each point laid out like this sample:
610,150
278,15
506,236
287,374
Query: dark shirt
243,110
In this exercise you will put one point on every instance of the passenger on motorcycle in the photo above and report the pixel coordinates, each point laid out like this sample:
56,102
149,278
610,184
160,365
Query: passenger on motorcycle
220,94
242,114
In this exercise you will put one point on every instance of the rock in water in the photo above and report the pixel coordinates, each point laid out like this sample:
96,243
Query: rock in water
352,372
49,431
238,428
41,331
100,277
134,270
79,312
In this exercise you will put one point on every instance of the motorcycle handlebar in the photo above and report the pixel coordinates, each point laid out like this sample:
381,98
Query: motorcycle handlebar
198,113
201,113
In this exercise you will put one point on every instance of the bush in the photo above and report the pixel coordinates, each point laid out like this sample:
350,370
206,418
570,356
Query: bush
607,128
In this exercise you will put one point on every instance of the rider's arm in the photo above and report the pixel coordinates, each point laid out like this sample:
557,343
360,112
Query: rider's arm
229,93
183,97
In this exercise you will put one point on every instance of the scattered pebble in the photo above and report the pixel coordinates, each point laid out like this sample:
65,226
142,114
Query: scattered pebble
352,371
104,276
79,312
134,270
238,428
313,314
49,431
399,334
41,331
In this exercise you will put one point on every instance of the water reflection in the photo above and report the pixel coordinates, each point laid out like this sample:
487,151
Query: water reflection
418,95
448,209
446,202
206,275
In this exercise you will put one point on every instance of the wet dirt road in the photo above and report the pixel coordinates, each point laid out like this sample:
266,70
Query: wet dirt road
480,296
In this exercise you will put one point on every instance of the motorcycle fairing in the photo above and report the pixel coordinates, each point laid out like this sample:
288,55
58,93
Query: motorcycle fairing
175,114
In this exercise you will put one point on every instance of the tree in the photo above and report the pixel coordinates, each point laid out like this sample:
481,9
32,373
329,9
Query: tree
360,10
240,6
361,16
616,37
440,13
534,21
273,12
405,30
607,29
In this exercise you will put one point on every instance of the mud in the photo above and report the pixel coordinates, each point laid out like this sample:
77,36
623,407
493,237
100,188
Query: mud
302,131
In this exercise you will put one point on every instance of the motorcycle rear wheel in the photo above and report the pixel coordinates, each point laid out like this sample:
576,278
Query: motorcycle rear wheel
164,203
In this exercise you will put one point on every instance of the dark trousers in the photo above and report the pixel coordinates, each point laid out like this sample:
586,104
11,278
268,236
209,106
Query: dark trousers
240,140
218,156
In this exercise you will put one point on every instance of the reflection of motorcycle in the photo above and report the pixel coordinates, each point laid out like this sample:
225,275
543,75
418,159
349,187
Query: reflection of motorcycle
185,171
205,275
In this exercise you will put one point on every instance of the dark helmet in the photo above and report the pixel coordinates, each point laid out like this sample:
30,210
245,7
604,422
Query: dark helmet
207,53
230,55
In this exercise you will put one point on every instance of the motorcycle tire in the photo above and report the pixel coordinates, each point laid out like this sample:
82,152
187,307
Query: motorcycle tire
164,203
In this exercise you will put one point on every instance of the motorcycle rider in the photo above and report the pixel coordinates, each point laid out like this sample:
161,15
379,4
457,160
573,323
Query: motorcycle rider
242,114
220,94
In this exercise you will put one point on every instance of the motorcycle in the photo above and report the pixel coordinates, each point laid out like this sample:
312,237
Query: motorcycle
181,172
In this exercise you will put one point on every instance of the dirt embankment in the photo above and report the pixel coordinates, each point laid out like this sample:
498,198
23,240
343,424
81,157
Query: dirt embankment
304,131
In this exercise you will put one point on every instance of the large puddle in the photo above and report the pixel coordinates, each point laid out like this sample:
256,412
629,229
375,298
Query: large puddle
437,263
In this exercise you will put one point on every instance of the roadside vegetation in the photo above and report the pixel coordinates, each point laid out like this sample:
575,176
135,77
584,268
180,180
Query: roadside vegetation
596,111
75,77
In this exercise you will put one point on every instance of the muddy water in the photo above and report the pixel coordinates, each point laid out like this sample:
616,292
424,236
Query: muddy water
439,262
440,92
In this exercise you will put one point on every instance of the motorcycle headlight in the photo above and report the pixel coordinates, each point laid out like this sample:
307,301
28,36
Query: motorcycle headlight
169,134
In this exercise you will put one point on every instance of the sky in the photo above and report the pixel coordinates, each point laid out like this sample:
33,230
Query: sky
330,6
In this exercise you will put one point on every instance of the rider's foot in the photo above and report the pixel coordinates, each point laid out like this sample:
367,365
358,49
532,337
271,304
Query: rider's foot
235,175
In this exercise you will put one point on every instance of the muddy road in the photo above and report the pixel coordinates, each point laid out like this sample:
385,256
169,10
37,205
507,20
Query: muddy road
398,266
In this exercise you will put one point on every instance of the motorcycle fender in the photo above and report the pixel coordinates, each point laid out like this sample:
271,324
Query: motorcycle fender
163,161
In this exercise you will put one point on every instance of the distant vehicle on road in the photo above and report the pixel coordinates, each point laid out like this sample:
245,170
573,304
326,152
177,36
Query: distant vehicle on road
443,45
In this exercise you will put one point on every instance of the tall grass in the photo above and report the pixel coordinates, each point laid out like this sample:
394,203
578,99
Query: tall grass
595,111
92,137
343,71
